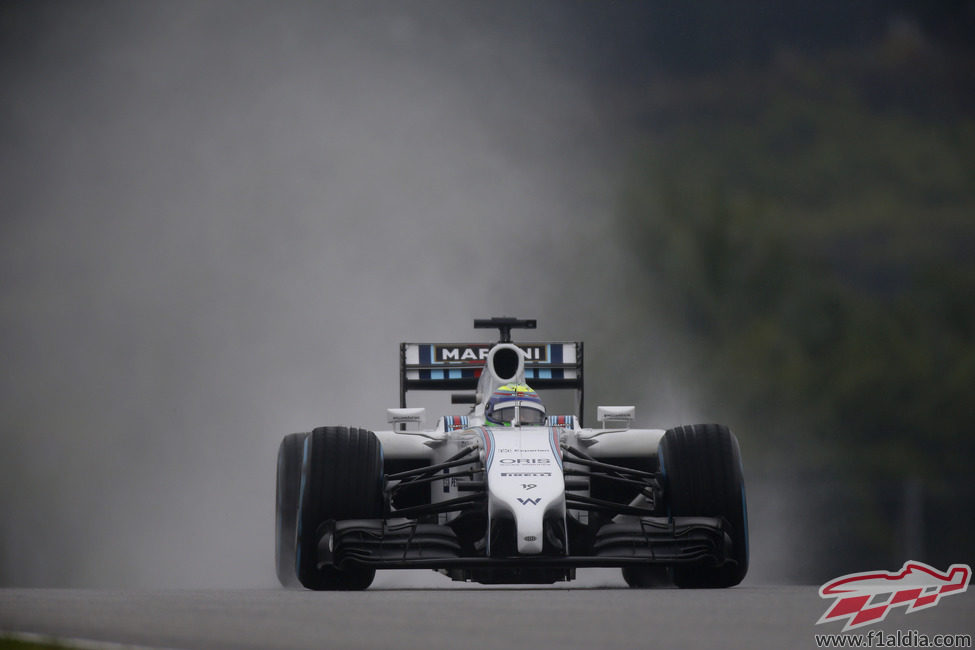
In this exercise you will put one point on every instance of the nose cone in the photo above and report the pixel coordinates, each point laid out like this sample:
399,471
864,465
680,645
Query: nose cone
525,482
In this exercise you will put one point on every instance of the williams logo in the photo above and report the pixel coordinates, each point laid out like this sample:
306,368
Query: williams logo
477,353
525,502
865,598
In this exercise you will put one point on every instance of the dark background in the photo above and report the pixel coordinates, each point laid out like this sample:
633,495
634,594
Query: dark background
219,219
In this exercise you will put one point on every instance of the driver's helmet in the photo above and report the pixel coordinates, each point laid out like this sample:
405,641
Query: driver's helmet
515,404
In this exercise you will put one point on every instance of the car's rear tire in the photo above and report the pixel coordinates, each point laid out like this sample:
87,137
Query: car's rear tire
341,478
644,577
701,467
286,507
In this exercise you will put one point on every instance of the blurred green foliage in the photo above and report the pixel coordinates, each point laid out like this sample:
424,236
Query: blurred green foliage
808,225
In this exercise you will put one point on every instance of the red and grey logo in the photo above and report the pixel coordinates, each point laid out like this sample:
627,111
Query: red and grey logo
866,598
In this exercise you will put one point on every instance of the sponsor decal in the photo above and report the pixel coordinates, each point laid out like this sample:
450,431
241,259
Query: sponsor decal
866,598
525,461
475,353
406,418
523,451
526,474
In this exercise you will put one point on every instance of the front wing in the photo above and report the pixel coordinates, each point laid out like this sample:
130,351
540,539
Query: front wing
408,544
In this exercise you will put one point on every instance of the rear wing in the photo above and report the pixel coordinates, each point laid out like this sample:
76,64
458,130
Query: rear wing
458,366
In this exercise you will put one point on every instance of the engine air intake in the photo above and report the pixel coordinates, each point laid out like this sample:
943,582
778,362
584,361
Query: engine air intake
505,363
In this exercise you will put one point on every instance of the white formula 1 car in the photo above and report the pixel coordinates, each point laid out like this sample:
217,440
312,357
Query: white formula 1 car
507,493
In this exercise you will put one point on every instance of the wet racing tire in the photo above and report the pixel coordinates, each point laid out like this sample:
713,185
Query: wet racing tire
286,507
341,478
702,476
642,577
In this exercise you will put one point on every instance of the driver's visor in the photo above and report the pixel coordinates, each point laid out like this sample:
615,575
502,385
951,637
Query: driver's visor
532,414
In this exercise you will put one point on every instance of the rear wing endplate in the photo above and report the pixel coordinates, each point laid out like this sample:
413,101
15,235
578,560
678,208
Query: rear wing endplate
458,366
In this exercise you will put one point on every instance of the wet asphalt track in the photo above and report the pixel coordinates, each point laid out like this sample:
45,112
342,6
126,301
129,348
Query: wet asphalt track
472,617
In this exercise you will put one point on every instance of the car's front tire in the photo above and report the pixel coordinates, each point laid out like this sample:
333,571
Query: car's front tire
341,478
286,506
701,466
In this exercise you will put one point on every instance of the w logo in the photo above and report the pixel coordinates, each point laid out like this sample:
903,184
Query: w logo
525,502
865,598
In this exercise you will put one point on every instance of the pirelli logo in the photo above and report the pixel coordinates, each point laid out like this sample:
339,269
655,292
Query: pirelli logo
478,353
